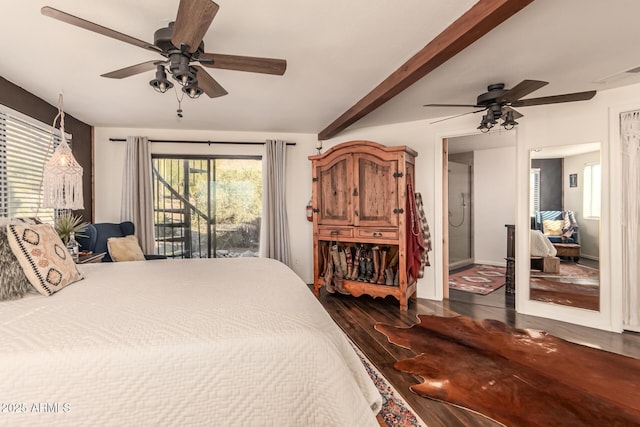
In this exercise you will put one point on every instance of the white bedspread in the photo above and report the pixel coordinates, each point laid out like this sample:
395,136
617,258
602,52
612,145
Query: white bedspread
541,245
206,342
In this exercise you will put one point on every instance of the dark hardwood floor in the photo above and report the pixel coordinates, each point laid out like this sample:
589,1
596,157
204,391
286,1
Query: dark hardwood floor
498,298
357,316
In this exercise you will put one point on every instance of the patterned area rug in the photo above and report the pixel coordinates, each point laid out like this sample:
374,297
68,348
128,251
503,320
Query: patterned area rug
479,279
395,411
570,269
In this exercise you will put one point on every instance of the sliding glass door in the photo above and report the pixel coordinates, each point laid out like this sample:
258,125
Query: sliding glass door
207,207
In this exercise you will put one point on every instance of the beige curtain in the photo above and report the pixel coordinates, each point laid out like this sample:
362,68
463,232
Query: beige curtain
137,191
274,231
630,136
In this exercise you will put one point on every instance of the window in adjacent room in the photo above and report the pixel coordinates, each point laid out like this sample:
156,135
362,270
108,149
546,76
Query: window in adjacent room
591,195
534,191
25,143
207,207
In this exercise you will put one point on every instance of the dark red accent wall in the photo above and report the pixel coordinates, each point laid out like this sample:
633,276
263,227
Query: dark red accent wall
27,103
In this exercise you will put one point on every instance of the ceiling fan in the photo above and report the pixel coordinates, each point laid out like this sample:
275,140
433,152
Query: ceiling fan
181,44
498,103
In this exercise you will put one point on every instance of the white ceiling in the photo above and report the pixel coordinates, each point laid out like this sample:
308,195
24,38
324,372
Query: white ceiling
498,138
564,150
337,51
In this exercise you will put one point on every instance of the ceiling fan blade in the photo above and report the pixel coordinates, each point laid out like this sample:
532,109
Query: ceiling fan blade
193,21
244,63
556,99
132,70
208,84
523,88
458,115
452,105
516,114
87,25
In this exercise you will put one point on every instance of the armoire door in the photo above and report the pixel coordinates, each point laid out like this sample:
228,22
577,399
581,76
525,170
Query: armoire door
376,191
334,191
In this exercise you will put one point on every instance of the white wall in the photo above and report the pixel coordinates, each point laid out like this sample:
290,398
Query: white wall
109,161
494,192
494,203
589,229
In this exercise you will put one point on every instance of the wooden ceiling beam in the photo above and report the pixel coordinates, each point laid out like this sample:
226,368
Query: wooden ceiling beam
476,22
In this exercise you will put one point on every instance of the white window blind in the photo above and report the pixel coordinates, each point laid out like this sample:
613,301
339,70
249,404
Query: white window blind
24,146
534,191
591,195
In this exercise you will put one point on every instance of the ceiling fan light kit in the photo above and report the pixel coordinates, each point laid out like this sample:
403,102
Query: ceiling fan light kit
509,122
193,91
161,83
498,103
180,43
489,120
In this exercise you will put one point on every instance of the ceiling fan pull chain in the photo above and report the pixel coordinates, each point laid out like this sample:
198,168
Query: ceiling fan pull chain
179,99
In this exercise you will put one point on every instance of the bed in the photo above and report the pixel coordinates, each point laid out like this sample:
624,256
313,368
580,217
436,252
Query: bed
540,245
227,342
543,253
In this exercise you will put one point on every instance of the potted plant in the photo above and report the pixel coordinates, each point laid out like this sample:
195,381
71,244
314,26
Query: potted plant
67,223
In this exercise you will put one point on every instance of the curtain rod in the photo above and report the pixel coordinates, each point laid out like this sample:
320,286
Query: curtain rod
162,141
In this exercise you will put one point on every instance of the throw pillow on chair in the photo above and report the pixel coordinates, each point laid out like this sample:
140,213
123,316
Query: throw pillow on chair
125,249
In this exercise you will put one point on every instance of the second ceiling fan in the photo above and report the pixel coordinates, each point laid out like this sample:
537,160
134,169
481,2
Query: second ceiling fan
180,43
498,103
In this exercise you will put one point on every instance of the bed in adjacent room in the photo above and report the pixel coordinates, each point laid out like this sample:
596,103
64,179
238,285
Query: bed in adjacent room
180,342
543,253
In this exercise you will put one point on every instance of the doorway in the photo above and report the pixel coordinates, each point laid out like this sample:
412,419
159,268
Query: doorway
207,206
479,199
459,213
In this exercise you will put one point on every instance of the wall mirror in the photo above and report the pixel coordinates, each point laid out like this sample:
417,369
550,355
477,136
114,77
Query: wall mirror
564,210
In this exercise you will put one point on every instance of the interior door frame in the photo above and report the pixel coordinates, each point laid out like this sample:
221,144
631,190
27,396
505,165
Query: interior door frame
444,204
445,219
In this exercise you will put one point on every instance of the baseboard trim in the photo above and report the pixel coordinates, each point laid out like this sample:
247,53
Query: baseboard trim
493,263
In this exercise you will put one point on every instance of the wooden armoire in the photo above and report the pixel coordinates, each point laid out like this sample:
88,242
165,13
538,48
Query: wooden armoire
360,199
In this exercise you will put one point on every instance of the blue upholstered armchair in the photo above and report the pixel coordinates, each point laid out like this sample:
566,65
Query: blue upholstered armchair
555,216
97,235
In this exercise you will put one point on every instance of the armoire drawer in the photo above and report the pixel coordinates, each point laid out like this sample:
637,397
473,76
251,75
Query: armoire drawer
335,232
373,233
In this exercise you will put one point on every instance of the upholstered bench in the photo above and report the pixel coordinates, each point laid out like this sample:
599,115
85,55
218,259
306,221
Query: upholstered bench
571,250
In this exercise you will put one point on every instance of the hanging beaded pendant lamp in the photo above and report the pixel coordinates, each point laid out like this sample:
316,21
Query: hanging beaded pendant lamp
62,174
